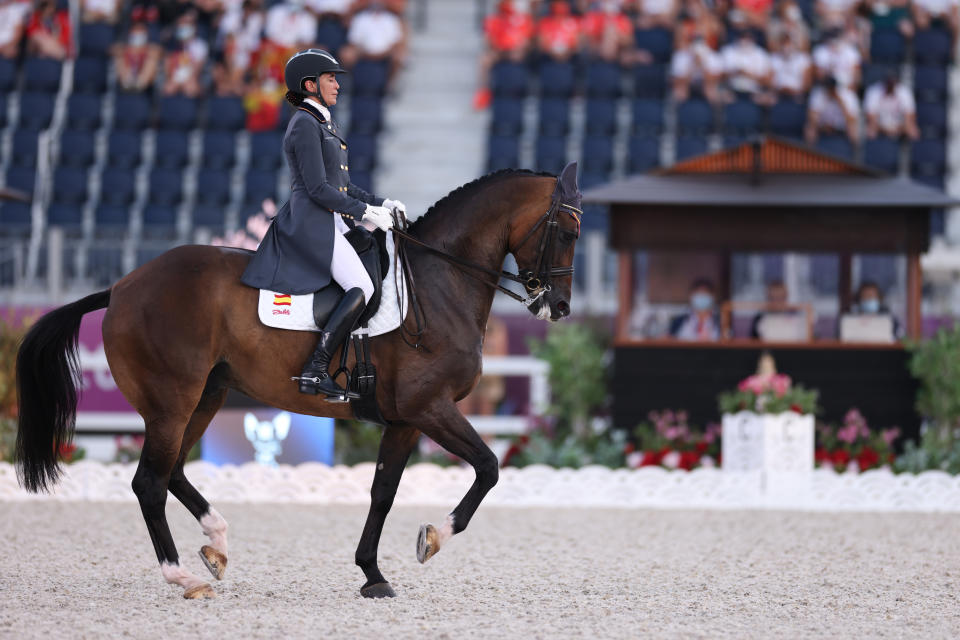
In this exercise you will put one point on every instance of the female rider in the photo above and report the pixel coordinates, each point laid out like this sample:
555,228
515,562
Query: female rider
305,248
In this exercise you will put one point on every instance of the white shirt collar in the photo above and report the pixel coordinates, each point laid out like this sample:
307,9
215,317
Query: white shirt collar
320,107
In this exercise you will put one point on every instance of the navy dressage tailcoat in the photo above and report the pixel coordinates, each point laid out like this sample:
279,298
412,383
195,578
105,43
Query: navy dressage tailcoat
295,255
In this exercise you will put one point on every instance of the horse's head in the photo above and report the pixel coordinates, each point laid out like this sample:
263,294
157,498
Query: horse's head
543,245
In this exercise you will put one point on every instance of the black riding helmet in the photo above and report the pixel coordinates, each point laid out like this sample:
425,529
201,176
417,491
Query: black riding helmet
309,64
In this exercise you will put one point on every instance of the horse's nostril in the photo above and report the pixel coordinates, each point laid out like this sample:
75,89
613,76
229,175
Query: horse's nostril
563,308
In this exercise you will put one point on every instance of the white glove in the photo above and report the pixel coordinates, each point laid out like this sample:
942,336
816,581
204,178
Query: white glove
395,204
379,216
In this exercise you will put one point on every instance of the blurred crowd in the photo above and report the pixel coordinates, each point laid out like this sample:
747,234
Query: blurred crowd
196,47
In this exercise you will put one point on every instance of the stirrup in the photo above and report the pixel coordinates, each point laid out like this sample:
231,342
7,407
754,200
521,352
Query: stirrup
308,386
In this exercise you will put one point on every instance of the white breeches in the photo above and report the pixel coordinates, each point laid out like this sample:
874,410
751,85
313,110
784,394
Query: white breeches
346,269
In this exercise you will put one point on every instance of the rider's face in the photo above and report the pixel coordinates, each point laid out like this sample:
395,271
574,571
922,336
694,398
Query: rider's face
328,88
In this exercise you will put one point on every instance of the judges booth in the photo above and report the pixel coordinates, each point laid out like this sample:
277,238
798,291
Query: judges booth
767,195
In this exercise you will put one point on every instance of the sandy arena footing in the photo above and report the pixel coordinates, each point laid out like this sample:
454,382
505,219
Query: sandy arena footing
87,570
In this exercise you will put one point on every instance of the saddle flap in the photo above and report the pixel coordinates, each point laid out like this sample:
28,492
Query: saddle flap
373,254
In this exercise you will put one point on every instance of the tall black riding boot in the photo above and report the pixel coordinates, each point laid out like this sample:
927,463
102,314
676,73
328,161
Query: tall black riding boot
315,377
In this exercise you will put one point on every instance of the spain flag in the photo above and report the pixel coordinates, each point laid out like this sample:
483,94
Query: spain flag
281,300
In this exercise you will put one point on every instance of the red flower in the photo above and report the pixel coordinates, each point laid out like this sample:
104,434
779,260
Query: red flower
867,459
66,452
688,460
821,455
654,458
629,448
840,457
701,447
796,408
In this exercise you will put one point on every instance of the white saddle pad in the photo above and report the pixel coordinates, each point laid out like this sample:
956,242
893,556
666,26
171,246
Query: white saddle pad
283,311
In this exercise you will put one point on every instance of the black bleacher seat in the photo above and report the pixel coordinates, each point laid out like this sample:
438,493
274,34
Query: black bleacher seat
172,149
131,111
266,149
644,153
259,184
66,215
84,111
695,116
690,145
104,265
557,79
8,75
219,149
510,80
117,186
15,219
839,146
159,220
604,80
932,119
124,149
601,116
366,114
882,153
873,73
507,117
657,42
148,252
787,119
177,113
930,83
554,116
90,75
226,113
649,81
22,179
111,220
77,148
209,216
23,151
96,38
742,118
551,154
928,160
42,74
735,139
36,110
166,186
932,47
647,116
597,155
503,152
370,78
331,34
213,186
887,46
70,185
590,179
362,152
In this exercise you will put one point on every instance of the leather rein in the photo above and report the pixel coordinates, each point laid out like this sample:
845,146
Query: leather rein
536,281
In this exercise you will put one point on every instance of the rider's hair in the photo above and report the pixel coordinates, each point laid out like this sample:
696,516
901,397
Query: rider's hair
294,98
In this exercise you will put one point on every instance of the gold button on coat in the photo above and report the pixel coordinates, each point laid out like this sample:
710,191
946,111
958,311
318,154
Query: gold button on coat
343,146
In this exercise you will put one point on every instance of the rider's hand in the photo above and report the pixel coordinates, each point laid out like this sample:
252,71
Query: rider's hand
395,204
379,216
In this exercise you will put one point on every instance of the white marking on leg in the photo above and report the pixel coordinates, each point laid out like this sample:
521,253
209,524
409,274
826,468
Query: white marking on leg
175,574
215,527
445,532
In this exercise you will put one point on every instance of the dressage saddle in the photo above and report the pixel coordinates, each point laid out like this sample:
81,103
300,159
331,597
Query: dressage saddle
372,249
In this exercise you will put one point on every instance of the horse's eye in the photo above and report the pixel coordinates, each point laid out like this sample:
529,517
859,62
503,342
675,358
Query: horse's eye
567,237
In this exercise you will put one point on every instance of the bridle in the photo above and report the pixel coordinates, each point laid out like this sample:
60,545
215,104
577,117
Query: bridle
536,281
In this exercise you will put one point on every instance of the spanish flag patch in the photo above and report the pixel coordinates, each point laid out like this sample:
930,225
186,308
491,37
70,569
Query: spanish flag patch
281,300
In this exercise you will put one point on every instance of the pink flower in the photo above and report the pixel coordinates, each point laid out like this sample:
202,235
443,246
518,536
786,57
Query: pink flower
671,460
634,459
848,433
780,383
889,435
754,384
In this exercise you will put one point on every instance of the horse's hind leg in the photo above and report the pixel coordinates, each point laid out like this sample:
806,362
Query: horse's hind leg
151,481
448,428
214,555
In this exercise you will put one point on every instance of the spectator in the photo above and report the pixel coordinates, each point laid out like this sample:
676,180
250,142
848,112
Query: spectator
558,33
230,67
336,9
608,32
788,21
700,21
652,13
289,26
509,33
756,13
930,13
107,11
245,22
834,14
838,58
263,101
746,68
701,322
869,301
777,303
48,32
375,34
13,18
185,58
833,110
890,110
136,60
889,14
792,70
695,68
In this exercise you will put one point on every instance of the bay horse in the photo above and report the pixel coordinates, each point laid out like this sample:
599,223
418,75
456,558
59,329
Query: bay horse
181,330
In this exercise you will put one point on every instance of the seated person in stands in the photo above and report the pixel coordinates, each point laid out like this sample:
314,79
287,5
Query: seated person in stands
890,110
746,68
230,66
838,57
792,70
932,13
13,19
695,68
832,14
376,34
558,33
107,11
48,32
788,21
656,13
777,303
509,33
756,13
890,14
833,110
869,301
608,33
136,59
701,322
185,58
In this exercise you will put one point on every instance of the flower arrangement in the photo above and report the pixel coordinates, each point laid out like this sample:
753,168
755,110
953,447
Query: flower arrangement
667,440
852,446
769,392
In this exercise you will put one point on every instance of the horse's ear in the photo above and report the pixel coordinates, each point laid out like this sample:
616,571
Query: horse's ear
568,179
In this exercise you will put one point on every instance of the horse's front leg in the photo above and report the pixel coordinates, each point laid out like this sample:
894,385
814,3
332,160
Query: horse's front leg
448,428
395,447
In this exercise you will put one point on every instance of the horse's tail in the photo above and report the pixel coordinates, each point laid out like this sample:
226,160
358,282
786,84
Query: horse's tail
48,368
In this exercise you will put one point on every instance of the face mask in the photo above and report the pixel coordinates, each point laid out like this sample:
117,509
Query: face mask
870,306
138,39
701,301
185,32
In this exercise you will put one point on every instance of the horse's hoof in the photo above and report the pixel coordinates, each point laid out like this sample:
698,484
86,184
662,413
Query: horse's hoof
379,590
215,561
200,592
427,542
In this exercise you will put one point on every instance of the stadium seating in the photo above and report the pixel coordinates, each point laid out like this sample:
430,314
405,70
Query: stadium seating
90,75
77,148
117,186
601,117
644,153
36,110
504,153
604,80
84,111
41,74
882,153
557,79
131,111
507,116
509,80
551,153
219,150
213,186
124,149
225,114
265,149
554,116
23,152
172,149
177,113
